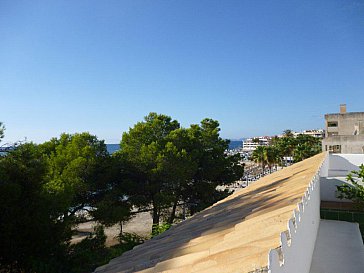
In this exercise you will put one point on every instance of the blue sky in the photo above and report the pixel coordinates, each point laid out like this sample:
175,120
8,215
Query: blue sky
258,67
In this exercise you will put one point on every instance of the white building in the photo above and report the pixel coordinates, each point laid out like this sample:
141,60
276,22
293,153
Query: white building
251,144
344,132
319,133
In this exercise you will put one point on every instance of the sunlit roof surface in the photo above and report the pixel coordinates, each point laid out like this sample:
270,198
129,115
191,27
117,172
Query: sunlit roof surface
233,235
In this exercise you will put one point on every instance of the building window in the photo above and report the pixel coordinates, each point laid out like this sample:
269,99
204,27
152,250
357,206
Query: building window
336,149
332,124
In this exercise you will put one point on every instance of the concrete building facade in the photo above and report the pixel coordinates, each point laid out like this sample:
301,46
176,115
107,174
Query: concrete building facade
344,132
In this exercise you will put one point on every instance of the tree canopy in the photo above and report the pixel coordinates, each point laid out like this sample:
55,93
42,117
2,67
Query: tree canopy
31,238
47,189
171,164
78,171
2,129
298,147
44,188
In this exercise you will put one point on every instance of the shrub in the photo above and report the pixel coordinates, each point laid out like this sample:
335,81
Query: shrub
354,192
158,229
89,253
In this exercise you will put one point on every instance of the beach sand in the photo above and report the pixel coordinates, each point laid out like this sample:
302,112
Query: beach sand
141,224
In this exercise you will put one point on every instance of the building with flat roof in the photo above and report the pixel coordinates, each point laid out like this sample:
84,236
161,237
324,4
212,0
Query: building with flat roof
344,132
251,144
318,133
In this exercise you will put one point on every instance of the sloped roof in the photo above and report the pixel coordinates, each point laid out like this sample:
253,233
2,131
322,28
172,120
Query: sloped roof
233,235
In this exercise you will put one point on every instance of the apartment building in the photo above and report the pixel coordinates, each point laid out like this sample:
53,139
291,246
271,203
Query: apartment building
251,144
319,133
344,132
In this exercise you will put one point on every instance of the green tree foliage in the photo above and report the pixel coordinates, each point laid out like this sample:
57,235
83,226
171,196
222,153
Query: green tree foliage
44,188
288,133
177,167
168,164
79,173
306,146
214,167
31,237
355,191
285,146
142,149
111,204
272,156
259,156
299,147
266,155
2,129
158,229
89,253
47,189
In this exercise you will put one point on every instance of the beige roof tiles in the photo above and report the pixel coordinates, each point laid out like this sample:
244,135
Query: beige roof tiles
233,235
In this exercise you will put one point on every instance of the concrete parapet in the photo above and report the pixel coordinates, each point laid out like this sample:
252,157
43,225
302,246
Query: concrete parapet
297,244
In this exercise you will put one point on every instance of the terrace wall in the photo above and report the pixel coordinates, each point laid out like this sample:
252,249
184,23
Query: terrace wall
339,165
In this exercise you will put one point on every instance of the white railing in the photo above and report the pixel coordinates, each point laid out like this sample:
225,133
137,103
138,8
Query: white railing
298,242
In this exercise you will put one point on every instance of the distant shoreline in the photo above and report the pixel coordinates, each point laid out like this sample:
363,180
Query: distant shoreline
112,148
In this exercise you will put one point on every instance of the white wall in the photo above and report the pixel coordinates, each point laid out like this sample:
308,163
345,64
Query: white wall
328,187
324,171
295,254
297,245
339,165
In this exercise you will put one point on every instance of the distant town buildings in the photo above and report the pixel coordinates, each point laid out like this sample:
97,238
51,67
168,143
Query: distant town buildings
344,132
319,133
250,144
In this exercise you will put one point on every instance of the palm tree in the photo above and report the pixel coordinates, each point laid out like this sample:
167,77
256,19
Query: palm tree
285,146
259,156
272,156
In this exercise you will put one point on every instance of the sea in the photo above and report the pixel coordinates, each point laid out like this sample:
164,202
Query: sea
234,144
112,148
